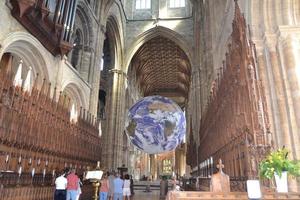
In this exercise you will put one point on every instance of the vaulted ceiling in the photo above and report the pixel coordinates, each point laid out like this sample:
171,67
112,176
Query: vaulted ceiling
162,68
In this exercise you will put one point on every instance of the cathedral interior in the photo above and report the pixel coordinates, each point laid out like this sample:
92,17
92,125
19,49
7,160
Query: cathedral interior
70,70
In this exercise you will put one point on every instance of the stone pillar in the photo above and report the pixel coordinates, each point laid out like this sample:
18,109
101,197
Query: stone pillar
180,161
286,100
290,56
264,77
294,106
108,139
120,121
115,125
95,72
279,87
153,166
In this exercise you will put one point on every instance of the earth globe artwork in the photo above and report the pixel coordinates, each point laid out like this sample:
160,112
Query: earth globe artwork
155,124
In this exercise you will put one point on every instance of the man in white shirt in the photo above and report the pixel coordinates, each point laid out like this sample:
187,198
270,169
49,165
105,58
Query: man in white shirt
60,187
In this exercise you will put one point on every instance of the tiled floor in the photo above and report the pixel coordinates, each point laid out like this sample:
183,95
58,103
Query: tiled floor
140,195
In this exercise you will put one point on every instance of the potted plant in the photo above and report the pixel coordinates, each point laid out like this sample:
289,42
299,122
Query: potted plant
277,165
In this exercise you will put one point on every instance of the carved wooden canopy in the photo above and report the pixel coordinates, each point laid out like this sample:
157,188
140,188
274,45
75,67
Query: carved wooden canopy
162,68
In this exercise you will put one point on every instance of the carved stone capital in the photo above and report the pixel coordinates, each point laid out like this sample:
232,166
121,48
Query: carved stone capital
118,71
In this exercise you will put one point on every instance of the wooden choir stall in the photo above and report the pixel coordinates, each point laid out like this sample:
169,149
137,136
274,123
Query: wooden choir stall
37,139
235,125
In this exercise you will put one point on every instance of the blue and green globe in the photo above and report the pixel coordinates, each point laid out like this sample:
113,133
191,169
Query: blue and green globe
156,124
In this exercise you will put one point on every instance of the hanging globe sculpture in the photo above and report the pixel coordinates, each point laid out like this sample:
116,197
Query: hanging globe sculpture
155,124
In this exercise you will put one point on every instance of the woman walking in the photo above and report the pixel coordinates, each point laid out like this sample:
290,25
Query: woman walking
126,188
104,188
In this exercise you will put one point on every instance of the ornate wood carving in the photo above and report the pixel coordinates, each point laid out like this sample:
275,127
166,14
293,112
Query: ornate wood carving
37,139
51,22
235,126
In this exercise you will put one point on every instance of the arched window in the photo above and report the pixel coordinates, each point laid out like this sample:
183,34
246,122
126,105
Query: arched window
76,51
142,4
177,3
101,104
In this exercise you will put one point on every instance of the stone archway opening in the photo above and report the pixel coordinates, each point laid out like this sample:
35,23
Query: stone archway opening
25,52
107,101
161,67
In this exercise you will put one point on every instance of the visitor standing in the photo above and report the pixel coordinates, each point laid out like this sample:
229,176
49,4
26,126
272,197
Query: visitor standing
72,186
60,187
79,189
111,178
126,188
118,187
104,188
131,185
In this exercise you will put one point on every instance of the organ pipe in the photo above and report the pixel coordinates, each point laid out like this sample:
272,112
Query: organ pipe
65,15
62,13
68,21
73,20
57,11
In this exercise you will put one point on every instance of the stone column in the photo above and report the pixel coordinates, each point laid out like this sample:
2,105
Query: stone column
115,125
284,79
180,161
120,121
108,139
280,98
153,166
264,77
293,105
95,72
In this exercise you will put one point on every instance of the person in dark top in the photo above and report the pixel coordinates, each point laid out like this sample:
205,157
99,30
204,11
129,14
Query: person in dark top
131,186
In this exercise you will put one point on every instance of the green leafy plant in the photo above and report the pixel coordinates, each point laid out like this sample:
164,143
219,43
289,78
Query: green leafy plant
278,162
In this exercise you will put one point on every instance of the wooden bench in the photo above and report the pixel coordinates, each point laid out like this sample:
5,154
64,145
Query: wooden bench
176,195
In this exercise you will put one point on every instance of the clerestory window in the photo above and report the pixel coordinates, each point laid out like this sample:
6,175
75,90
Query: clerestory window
177,3
142,4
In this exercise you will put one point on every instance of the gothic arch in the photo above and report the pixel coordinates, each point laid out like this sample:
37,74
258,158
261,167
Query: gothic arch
113,30
83,39
152,33
30,51
268,15
87,28
74,92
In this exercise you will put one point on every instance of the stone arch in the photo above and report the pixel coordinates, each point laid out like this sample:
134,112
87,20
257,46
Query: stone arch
29,49
83,38
82,12
106,6
74,92
152,33
270,14
113,30
78,41
296,13
285,11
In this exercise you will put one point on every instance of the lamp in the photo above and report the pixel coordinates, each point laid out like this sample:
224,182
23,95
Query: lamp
95,176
